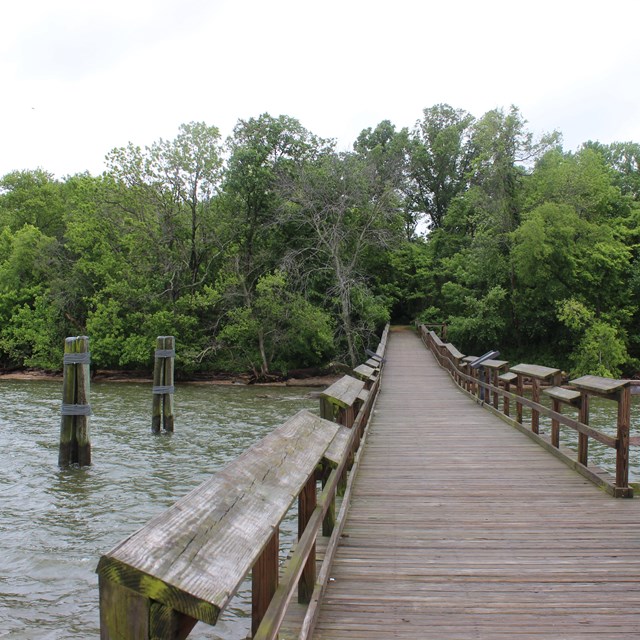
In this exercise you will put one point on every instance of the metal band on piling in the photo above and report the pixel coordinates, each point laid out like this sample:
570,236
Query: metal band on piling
75,409
161,390
165,353
77,358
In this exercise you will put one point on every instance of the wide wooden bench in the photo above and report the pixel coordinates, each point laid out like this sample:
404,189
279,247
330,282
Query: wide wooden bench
618,391
506,380
187,563
537,374
495,368
560,396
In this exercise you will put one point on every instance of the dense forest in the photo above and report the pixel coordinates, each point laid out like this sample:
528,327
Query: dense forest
272,251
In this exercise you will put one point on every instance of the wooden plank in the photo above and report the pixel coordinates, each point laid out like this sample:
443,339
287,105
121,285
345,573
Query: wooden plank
495,364
194,556
535,371
599,385
568,396
508,377
343,392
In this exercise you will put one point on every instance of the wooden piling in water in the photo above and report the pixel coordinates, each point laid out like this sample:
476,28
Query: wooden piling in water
75,441
163,384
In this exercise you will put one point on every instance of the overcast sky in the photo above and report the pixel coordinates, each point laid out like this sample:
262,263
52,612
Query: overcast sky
79,78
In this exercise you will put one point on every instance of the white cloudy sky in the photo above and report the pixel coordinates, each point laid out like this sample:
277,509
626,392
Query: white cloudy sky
80,77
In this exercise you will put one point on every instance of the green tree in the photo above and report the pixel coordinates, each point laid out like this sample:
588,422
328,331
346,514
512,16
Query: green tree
440,160
263,151
624,159
582,180
170,189
280,329
386,152
600,348
34,198
29,325
331,203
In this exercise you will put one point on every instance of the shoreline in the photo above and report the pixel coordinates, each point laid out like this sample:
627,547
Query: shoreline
230,380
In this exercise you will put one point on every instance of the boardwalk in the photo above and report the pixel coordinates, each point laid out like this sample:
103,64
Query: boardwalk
460,527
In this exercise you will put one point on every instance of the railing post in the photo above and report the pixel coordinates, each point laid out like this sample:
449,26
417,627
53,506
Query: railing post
519,393
306,504
507,378
535,396
556,406
264,581
583,438
622,450
329,520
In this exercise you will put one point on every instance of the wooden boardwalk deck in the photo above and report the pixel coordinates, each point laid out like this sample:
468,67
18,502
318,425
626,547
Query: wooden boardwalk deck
460,527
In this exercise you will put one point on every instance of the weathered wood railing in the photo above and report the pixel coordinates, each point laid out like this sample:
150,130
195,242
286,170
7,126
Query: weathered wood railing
577,395
187,563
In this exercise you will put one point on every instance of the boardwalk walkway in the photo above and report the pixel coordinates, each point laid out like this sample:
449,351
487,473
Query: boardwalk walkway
460,527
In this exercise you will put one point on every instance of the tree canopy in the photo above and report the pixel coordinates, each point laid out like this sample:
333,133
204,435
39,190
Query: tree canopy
272,250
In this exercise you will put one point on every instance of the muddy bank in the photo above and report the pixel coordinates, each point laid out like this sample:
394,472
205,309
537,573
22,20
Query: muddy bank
214,379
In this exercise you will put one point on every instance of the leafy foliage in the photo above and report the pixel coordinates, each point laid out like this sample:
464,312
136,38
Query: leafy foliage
271,250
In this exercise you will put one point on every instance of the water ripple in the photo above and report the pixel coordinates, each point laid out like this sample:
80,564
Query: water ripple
55,524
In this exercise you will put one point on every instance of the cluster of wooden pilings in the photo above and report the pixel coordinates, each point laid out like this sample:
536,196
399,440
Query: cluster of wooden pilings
187,563
75,440
490,379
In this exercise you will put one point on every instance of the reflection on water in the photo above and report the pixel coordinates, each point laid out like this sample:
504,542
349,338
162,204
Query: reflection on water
55,524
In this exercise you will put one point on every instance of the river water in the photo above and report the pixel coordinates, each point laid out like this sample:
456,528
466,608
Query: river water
55,524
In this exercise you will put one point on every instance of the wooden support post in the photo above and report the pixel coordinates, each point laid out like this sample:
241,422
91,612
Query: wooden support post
329,520
163,384
507,379
75,441
556,405
123,612
536,374
328,410
347,416
306,504
505,403
622,450
127,614
264,581
535,396
583,438
520,393
496,383
166,623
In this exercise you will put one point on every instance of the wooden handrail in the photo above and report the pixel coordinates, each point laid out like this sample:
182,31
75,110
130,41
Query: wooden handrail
187,563
618,390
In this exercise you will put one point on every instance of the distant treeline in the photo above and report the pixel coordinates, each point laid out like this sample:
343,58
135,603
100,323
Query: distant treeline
272,251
